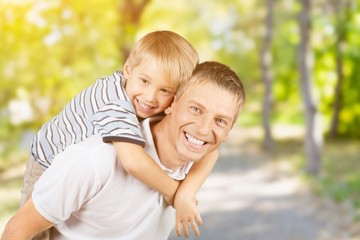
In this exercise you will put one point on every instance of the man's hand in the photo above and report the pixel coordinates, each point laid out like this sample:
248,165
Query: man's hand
187,214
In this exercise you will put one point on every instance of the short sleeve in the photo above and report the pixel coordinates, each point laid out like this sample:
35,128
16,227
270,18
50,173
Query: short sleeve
115,117
117,121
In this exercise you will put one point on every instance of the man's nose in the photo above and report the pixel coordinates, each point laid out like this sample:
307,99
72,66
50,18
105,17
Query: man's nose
204,125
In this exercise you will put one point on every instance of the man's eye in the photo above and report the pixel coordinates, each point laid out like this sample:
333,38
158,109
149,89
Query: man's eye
222,122
195,109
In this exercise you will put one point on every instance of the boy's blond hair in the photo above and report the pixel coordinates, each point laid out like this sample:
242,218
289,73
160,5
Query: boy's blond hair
172,53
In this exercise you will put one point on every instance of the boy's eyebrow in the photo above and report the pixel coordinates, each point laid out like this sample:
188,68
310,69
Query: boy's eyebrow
167,86
144,75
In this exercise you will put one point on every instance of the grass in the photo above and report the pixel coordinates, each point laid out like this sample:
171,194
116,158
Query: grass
339,179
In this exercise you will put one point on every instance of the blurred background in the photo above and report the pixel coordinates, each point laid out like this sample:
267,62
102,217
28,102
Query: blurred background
298,59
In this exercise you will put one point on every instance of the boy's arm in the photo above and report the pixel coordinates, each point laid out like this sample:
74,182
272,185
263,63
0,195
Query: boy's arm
140,165
26,223
185,200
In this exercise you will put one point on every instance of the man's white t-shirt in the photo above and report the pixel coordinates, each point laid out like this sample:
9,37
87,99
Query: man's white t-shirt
87,194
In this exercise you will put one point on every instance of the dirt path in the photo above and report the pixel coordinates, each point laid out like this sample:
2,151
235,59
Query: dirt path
249,197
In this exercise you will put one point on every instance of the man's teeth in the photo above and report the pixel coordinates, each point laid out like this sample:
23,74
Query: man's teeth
193,140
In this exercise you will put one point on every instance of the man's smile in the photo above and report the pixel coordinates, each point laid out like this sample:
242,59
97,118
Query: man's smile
193,140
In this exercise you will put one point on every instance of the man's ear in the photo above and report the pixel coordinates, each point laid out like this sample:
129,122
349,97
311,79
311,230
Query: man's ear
226,138
167,111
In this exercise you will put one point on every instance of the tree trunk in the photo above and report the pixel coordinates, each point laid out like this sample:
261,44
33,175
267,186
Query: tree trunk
313,137
340,41
266,60
130,15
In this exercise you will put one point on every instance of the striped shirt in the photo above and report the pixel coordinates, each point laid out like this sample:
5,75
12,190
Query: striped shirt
103,108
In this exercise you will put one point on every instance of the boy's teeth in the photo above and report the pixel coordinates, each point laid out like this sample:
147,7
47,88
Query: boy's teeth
193,140
143,105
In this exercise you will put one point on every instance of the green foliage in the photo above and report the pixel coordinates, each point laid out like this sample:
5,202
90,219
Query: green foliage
50,51
327,29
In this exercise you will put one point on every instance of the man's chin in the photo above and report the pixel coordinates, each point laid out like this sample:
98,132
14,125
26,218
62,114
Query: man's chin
188,159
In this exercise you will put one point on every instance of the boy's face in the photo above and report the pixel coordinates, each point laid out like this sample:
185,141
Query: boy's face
148,88
200,120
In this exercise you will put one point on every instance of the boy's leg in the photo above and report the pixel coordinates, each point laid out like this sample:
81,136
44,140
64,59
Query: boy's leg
32,173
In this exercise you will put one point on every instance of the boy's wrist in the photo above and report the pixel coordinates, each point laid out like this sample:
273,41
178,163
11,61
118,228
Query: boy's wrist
170,193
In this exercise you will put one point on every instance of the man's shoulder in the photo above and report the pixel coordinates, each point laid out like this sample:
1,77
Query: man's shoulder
97,149
91,153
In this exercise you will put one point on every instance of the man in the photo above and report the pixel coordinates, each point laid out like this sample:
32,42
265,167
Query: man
94,198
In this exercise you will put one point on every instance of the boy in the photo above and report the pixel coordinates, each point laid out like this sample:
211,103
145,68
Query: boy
159,62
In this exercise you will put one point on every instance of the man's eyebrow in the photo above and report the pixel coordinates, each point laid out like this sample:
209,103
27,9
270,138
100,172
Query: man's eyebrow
226,117
219,115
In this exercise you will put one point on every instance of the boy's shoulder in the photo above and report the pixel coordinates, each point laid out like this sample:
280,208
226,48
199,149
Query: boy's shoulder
116,79
115,76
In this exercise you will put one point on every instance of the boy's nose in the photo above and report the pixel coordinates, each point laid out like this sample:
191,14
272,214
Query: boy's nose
150,96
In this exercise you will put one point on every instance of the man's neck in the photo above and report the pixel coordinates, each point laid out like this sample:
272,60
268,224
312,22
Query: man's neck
166,152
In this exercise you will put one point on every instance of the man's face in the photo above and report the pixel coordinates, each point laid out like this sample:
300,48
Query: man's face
201,120
148,88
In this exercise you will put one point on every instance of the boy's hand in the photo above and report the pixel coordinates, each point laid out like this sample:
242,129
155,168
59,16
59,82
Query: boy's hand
187,214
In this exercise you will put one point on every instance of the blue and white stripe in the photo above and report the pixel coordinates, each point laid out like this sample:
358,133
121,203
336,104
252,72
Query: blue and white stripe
103,108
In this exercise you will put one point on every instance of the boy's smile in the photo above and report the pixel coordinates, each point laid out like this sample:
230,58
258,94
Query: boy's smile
143,106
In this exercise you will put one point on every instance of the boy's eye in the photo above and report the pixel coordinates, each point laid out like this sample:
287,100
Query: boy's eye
144,80
165,91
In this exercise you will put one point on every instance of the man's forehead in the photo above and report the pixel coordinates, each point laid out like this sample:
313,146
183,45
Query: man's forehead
205,86
202,84
210,95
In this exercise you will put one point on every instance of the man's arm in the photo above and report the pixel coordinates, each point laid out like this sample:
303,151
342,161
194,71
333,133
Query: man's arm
25,224
141,166
185,200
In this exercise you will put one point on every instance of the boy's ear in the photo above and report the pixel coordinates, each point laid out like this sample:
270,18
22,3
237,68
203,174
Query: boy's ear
126,70
167,111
